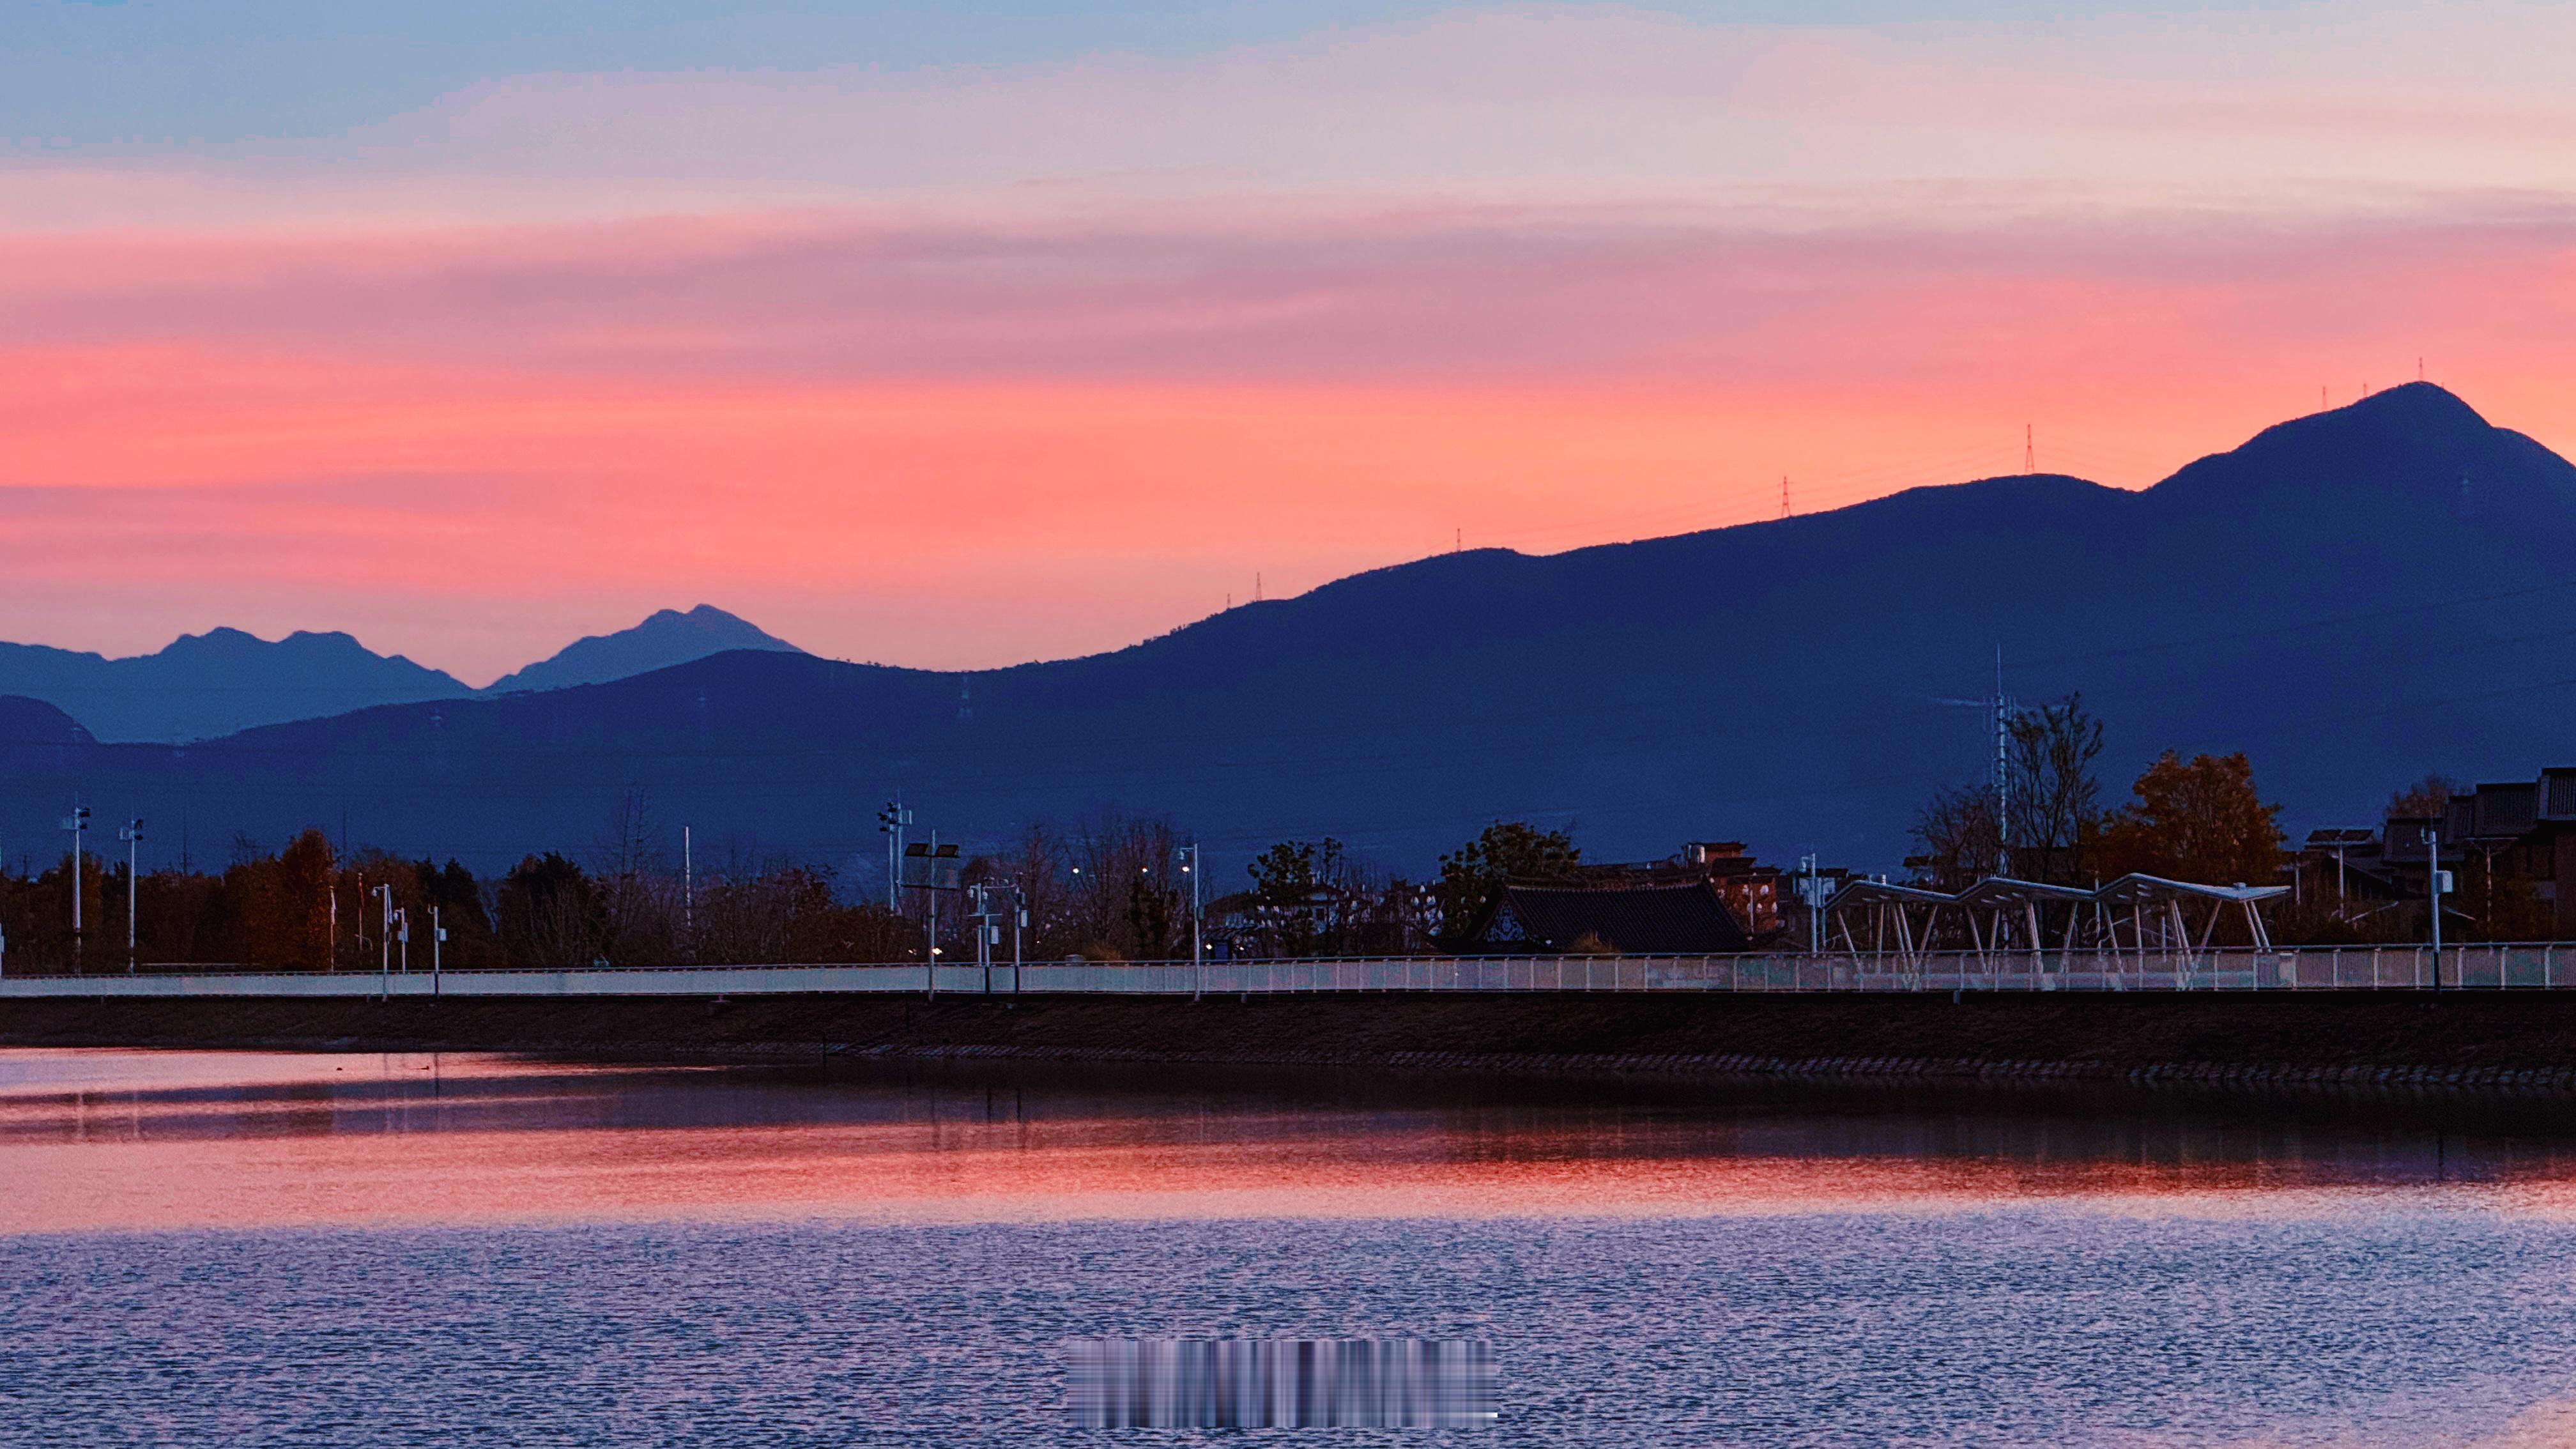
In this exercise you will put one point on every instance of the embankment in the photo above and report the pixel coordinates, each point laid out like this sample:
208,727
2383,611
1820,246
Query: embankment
2519,1038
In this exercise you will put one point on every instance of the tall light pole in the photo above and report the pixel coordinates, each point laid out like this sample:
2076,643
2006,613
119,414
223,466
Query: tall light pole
2433,884
688,894
76,822
1198,955
1815,904
132,835
930,927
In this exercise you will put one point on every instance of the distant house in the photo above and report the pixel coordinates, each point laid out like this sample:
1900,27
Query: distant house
1688,918
1765,899
2517,829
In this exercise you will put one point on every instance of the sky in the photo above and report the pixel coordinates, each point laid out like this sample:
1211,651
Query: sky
956,340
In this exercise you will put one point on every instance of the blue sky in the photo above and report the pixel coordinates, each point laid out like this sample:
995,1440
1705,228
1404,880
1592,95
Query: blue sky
78,73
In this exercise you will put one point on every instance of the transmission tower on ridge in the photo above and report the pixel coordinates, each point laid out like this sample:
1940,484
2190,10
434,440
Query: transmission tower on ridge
1784,495
2029,455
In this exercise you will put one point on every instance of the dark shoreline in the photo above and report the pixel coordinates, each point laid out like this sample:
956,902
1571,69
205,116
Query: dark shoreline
2510,1039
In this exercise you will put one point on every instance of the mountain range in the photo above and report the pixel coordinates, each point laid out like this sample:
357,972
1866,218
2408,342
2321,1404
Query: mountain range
202,686
2353,598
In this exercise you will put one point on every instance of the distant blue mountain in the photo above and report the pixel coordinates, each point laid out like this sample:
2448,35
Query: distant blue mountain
2353,598
217,683
667,638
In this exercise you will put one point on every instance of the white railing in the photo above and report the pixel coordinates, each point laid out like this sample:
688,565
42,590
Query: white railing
2466,968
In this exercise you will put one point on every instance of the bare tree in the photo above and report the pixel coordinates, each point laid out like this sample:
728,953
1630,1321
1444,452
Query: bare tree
1126,902
638,899
2428,797
2055,803
1961,838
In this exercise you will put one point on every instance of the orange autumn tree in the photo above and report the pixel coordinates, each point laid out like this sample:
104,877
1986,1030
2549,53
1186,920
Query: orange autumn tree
2200,822
285,905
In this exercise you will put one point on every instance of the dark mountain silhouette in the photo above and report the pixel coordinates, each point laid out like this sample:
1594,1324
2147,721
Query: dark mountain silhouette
215,683
2353,598
667,638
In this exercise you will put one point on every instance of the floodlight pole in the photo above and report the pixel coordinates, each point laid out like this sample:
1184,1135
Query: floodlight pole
931,952
133,833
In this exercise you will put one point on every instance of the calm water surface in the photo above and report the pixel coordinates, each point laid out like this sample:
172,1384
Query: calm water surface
213,1248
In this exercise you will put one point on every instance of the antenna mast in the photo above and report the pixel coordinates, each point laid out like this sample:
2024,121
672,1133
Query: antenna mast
2003,772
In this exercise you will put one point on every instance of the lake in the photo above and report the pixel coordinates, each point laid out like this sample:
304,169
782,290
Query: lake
246,1248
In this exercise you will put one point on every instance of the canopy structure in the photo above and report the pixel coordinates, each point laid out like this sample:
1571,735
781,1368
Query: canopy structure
2002,916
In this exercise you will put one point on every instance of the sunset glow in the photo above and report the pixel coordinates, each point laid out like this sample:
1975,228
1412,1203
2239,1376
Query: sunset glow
959,364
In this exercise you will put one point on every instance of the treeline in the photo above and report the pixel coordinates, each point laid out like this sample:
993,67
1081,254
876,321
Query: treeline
1114,887
309,908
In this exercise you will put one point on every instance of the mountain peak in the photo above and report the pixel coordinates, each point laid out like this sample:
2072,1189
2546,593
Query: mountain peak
665,638
2416,447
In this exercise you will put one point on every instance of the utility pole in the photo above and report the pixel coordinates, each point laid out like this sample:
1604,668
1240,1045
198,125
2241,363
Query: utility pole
932,950
132,834
385,941
402,933
890,823
76,822
437,950
1019,931
688,893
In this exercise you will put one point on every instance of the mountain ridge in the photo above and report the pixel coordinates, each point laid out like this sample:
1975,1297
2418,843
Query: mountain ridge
666,637
1774,682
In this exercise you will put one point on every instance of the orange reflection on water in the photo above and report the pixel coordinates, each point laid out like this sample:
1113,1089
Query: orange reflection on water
192,1140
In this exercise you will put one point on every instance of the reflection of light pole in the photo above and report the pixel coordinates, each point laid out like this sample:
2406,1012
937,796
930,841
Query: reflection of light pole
132,835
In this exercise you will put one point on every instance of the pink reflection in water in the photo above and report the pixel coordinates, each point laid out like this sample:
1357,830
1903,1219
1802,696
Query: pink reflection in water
93,1141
